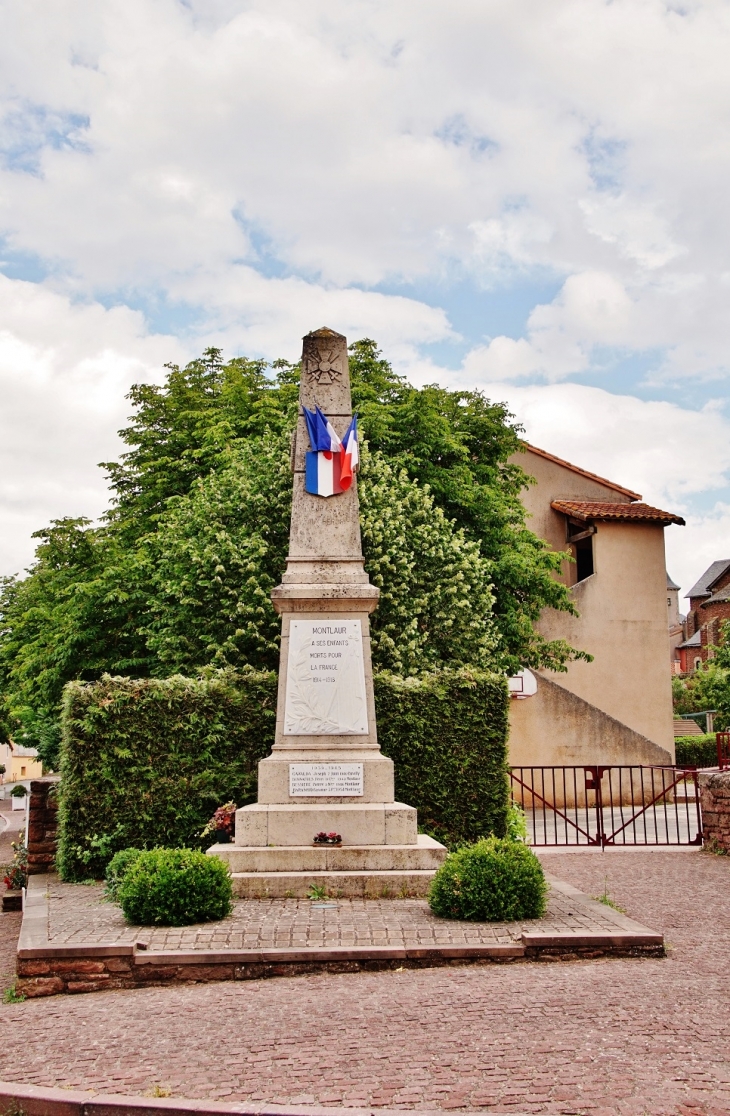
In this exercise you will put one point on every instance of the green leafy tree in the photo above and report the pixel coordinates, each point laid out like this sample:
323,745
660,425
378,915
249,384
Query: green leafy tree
178,576
708,687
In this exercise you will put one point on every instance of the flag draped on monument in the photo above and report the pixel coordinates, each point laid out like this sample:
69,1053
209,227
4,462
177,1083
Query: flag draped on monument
331,463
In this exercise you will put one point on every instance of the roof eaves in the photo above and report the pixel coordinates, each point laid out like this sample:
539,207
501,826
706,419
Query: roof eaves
606,511
703,586
582,472
693,641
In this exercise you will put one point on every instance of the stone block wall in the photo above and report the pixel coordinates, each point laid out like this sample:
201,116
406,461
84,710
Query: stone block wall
715,802
42,825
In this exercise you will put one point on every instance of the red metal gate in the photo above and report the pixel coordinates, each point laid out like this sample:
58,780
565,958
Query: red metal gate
609,806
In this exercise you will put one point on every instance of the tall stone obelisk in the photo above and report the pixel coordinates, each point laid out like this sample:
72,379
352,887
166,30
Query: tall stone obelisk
326,771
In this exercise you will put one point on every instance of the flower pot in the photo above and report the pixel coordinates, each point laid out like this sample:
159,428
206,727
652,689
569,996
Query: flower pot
222,837
327,844
18,801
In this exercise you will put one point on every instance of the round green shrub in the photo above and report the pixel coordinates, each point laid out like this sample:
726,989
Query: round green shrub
19,791
494,880
175,887
117,869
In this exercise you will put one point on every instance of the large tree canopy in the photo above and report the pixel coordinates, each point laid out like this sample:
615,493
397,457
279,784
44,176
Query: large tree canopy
178,576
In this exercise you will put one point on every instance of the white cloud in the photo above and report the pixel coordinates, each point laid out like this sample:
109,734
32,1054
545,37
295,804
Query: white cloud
193,152
64,372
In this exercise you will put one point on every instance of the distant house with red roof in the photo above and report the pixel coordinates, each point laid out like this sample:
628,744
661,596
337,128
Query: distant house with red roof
618,708
709,605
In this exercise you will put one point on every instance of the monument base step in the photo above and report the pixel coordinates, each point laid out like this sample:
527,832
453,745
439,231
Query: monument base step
425,855
332,885
263,824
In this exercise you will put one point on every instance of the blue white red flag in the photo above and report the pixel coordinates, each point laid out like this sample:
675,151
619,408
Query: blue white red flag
322,434
330,464
350,454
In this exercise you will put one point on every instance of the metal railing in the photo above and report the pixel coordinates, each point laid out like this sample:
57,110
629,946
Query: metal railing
609,805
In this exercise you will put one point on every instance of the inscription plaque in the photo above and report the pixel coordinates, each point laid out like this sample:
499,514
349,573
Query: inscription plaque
325,679
307,780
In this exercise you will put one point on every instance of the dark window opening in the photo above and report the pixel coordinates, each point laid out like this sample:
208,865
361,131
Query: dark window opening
584,558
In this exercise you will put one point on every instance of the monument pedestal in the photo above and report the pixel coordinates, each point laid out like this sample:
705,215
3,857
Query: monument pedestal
326,771
351,871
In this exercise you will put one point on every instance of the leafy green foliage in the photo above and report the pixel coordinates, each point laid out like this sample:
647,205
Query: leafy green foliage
516,823
494,880
447,736
175,887
696,751
708,687
146,762
460,445
12,996
116,870
178,576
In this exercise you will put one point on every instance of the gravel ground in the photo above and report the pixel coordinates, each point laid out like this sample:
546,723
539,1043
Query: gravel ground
603,1037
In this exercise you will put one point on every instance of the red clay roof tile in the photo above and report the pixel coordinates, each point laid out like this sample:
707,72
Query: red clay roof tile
636,513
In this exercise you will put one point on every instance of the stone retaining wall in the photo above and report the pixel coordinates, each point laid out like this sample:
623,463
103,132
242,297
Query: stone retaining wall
715,802
41,837
128,969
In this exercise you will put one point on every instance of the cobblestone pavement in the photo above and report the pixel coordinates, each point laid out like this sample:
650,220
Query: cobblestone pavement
618,1037
79,915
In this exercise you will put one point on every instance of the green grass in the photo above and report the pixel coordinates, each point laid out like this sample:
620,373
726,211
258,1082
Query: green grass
10,996
607,900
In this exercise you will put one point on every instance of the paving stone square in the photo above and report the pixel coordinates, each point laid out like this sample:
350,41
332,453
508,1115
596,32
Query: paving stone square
79,915
613,1037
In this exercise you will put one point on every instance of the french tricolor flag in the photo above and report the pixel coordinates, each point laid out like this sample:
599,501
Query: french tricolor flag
330,464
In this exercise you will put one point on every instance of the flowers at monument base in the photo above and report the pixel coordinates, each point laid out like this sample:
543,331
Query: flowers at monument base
327,838
222,824
331,463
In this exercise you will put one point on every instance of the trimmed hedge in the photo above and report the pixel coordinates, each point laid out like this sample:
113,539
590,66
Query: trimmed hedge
447,736
145,763
696,751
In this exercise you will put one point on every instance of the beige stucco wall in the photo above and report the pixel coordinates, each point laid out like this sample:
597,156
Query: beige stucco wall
623,624
557,728
555,482
622,621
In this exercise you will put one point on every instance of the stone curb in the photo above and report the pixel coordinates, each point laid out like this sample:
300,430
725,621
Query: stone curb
46,969
34,1100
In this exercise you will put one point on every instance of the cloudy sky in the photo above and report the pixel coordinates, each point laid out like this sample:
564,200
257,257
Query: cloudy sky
527,197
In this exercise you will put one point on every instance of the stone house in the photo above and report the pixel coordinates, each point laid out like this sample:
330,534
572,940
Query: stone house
618,708
709,605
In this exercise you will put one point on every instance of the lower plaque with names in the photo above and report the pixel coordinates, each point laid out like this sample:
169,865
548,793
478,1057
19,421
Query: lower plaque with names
337,780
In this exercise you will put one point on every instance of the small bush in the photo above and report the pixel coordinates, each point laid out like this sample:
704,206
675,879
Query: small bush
516,823
19,791
494,880
175,887
696,751
117,869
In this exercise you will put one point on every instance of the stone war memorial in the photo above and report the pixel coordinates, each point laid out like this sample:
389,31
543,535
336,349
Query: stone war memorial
326,775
